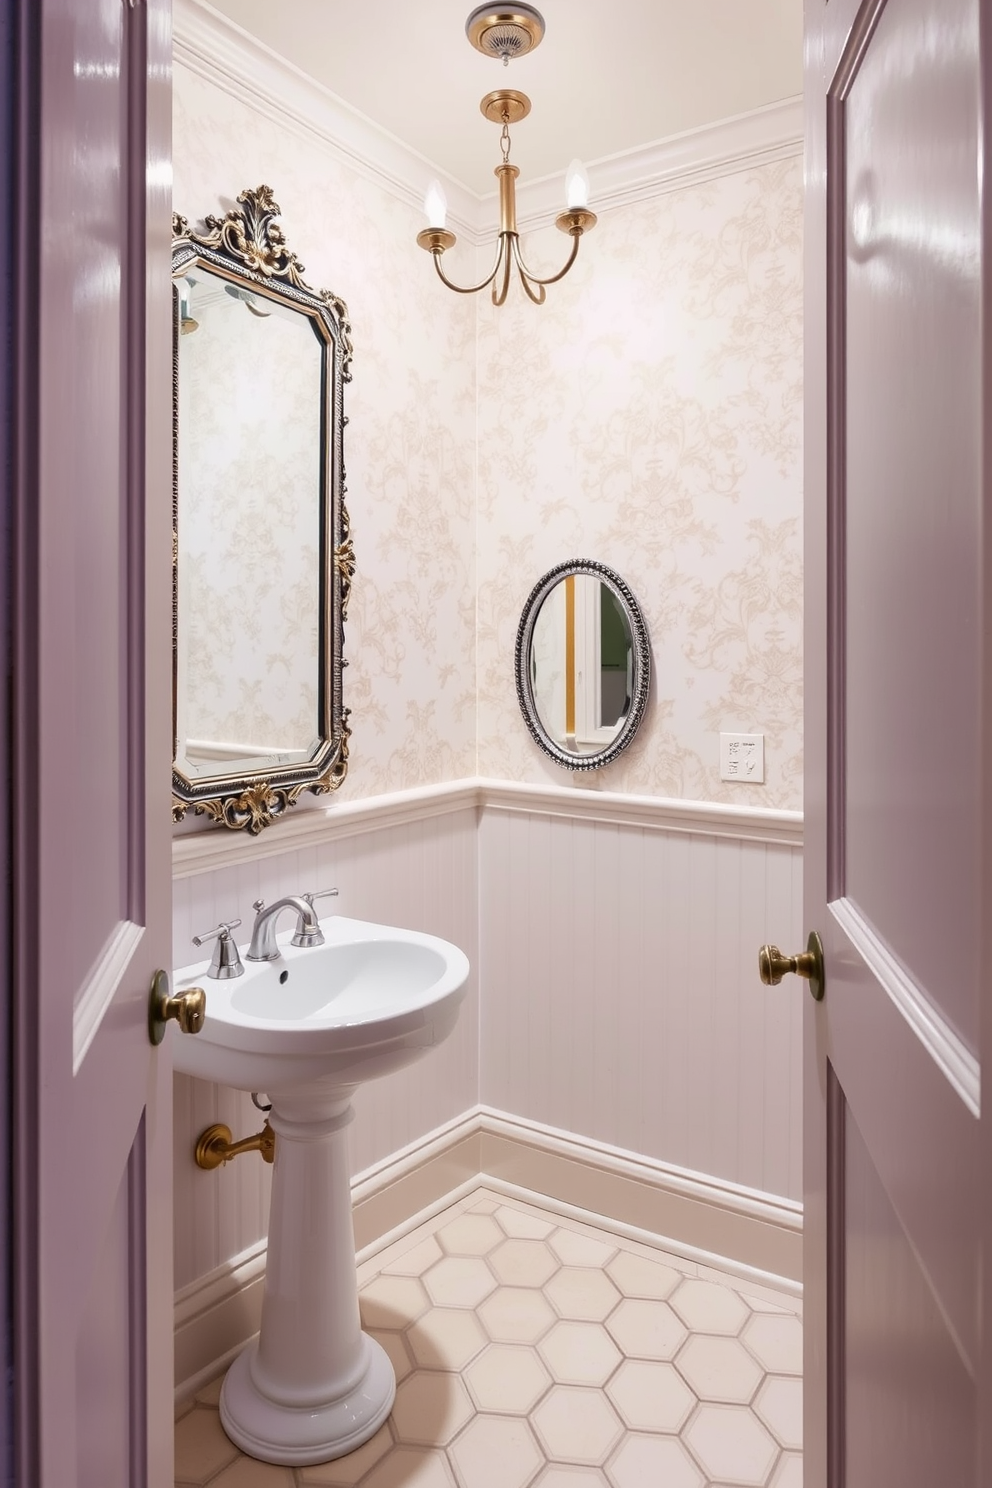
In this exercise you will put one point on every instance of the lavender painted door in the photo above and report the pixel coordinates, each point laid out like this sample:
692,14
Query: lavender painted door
897,814
91,857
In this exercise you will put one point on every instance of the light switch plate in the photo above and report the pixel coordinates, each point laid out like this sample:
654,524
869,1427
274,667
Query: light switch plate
742,758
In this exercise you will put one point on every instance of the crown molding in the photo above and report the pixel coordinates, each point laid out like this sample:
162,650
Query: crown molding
772,133
213,47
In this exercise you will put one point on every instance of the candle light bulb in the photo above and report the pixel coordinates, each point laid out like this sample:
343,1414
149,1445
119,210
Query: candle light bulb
576,187
436,205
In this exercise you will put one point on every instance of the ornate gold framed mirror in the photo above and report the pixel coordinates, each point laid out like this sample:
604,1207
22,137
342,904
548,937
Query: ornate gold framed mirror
582,664
262,554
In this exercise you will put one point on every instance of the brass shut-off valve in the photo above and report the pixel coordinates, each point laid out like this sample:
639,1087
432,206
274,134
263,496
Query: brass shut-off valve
214,1146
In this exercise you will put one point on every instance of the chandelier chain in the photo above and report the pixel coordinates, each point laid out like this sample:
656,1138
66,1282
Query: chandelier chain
504,141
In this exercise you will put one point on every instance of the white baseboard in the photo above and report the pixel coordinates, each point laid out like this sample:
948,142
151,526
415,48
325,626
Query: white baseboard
753,1235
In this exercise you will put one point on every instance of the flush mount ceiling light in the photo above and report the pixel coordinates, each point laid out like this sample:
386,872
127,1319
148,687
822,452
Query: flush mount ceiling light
505,33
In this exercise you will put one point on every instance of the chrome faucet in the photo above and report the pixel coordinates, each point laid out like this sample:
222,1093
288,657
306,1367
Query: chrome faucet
226,962
307,933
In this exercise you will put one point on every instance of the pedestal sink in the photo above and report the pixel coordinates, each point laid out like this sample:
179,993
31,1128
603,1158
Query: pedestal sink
307,1029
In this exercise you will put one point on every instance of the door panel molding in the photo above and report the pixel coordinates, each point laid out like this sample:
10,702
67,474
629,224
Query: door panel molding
943,1044
97,992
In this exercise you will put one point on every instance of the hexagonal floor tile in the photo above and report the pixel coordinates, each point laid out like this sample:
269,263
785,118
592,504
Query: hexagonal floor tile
406,1467
646,1330
523,1262
776,1341
789,1473
521,1226
780,1405
573,1249
497,1452
650,1396
731,1444
637,1277
246,1472
576,1425
579,1353
507,1378
202,1448
765,1304
582,1294
459,1281
414,1262
470,1235
430,1409
707,1307
719,1369
559,1476
445,1338
644,1460
346,1471
396,1351
392,1302
516,1315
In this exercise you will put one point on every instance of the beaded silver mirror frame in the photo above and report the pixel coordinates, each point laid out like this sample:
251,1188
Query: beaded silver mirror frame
247,247
641,668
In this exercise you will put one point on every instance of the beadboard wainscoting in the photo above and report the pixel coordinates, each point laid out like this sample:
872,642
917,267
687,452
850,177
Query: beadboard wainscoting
616,1055
620,992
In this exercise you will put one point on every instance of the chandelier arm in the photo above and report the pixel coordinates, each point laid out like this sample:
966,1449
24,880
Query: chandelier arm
471,288
533,288
553,278
499,295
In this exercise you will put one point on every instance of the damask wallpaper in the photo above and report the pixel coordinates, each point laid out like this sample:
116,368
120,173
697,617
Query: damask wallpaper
410,441
648,416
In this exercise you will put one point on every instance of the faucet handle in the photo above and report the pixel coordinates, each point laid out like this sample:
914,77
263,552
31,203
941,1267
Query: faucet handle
226,962
304,935
319,894
258,905
224,928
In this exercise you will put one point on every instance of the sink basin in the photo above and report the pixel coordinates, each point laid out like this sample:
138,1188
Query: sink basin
367,1002
307,1028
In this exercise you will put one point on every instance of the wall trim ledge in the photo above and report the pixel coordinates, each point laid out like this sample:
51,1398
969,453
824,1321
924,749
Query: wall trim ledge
753,1235
215,847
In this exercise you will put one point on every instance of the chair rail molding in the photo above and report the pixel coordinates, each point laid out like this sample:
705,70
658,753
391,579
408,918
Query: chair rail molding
203,852
215,48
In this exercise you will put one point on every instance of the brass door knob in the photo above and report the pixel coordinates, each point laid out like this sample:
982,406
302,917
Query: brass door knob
773,965
189,1009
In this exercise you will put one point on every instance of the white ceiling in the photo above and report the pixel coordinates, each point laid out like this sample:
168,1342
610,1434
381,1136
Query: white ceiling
610,75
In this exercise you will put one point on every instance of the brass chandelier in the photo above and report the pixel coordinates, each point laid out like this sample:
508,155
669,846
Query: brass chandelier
505,32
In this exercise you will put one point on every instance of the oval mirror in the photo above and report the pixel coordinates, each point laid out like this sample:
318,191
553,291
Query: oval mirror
583,665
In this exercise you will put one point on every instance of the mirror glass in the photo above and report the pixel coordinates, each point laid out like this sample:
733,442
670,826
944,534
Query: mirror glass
582,664
249,529
262,554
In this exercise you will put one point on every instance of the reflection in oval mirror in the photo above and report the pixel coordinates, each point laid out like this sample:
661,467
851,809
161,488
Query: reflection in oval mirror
582,665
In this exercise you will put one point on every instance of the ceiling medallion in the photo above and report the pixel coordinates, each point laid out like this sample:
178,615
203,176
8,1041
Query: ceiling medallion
505,33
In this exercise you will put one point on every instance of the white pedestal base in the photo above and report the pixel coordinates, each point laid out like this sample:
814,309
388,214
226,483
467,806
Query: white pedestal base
295,1436
312,1386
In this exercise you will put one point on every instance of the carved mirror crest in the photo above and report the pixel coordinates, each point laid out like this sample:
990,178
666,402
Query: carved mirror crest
262,554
